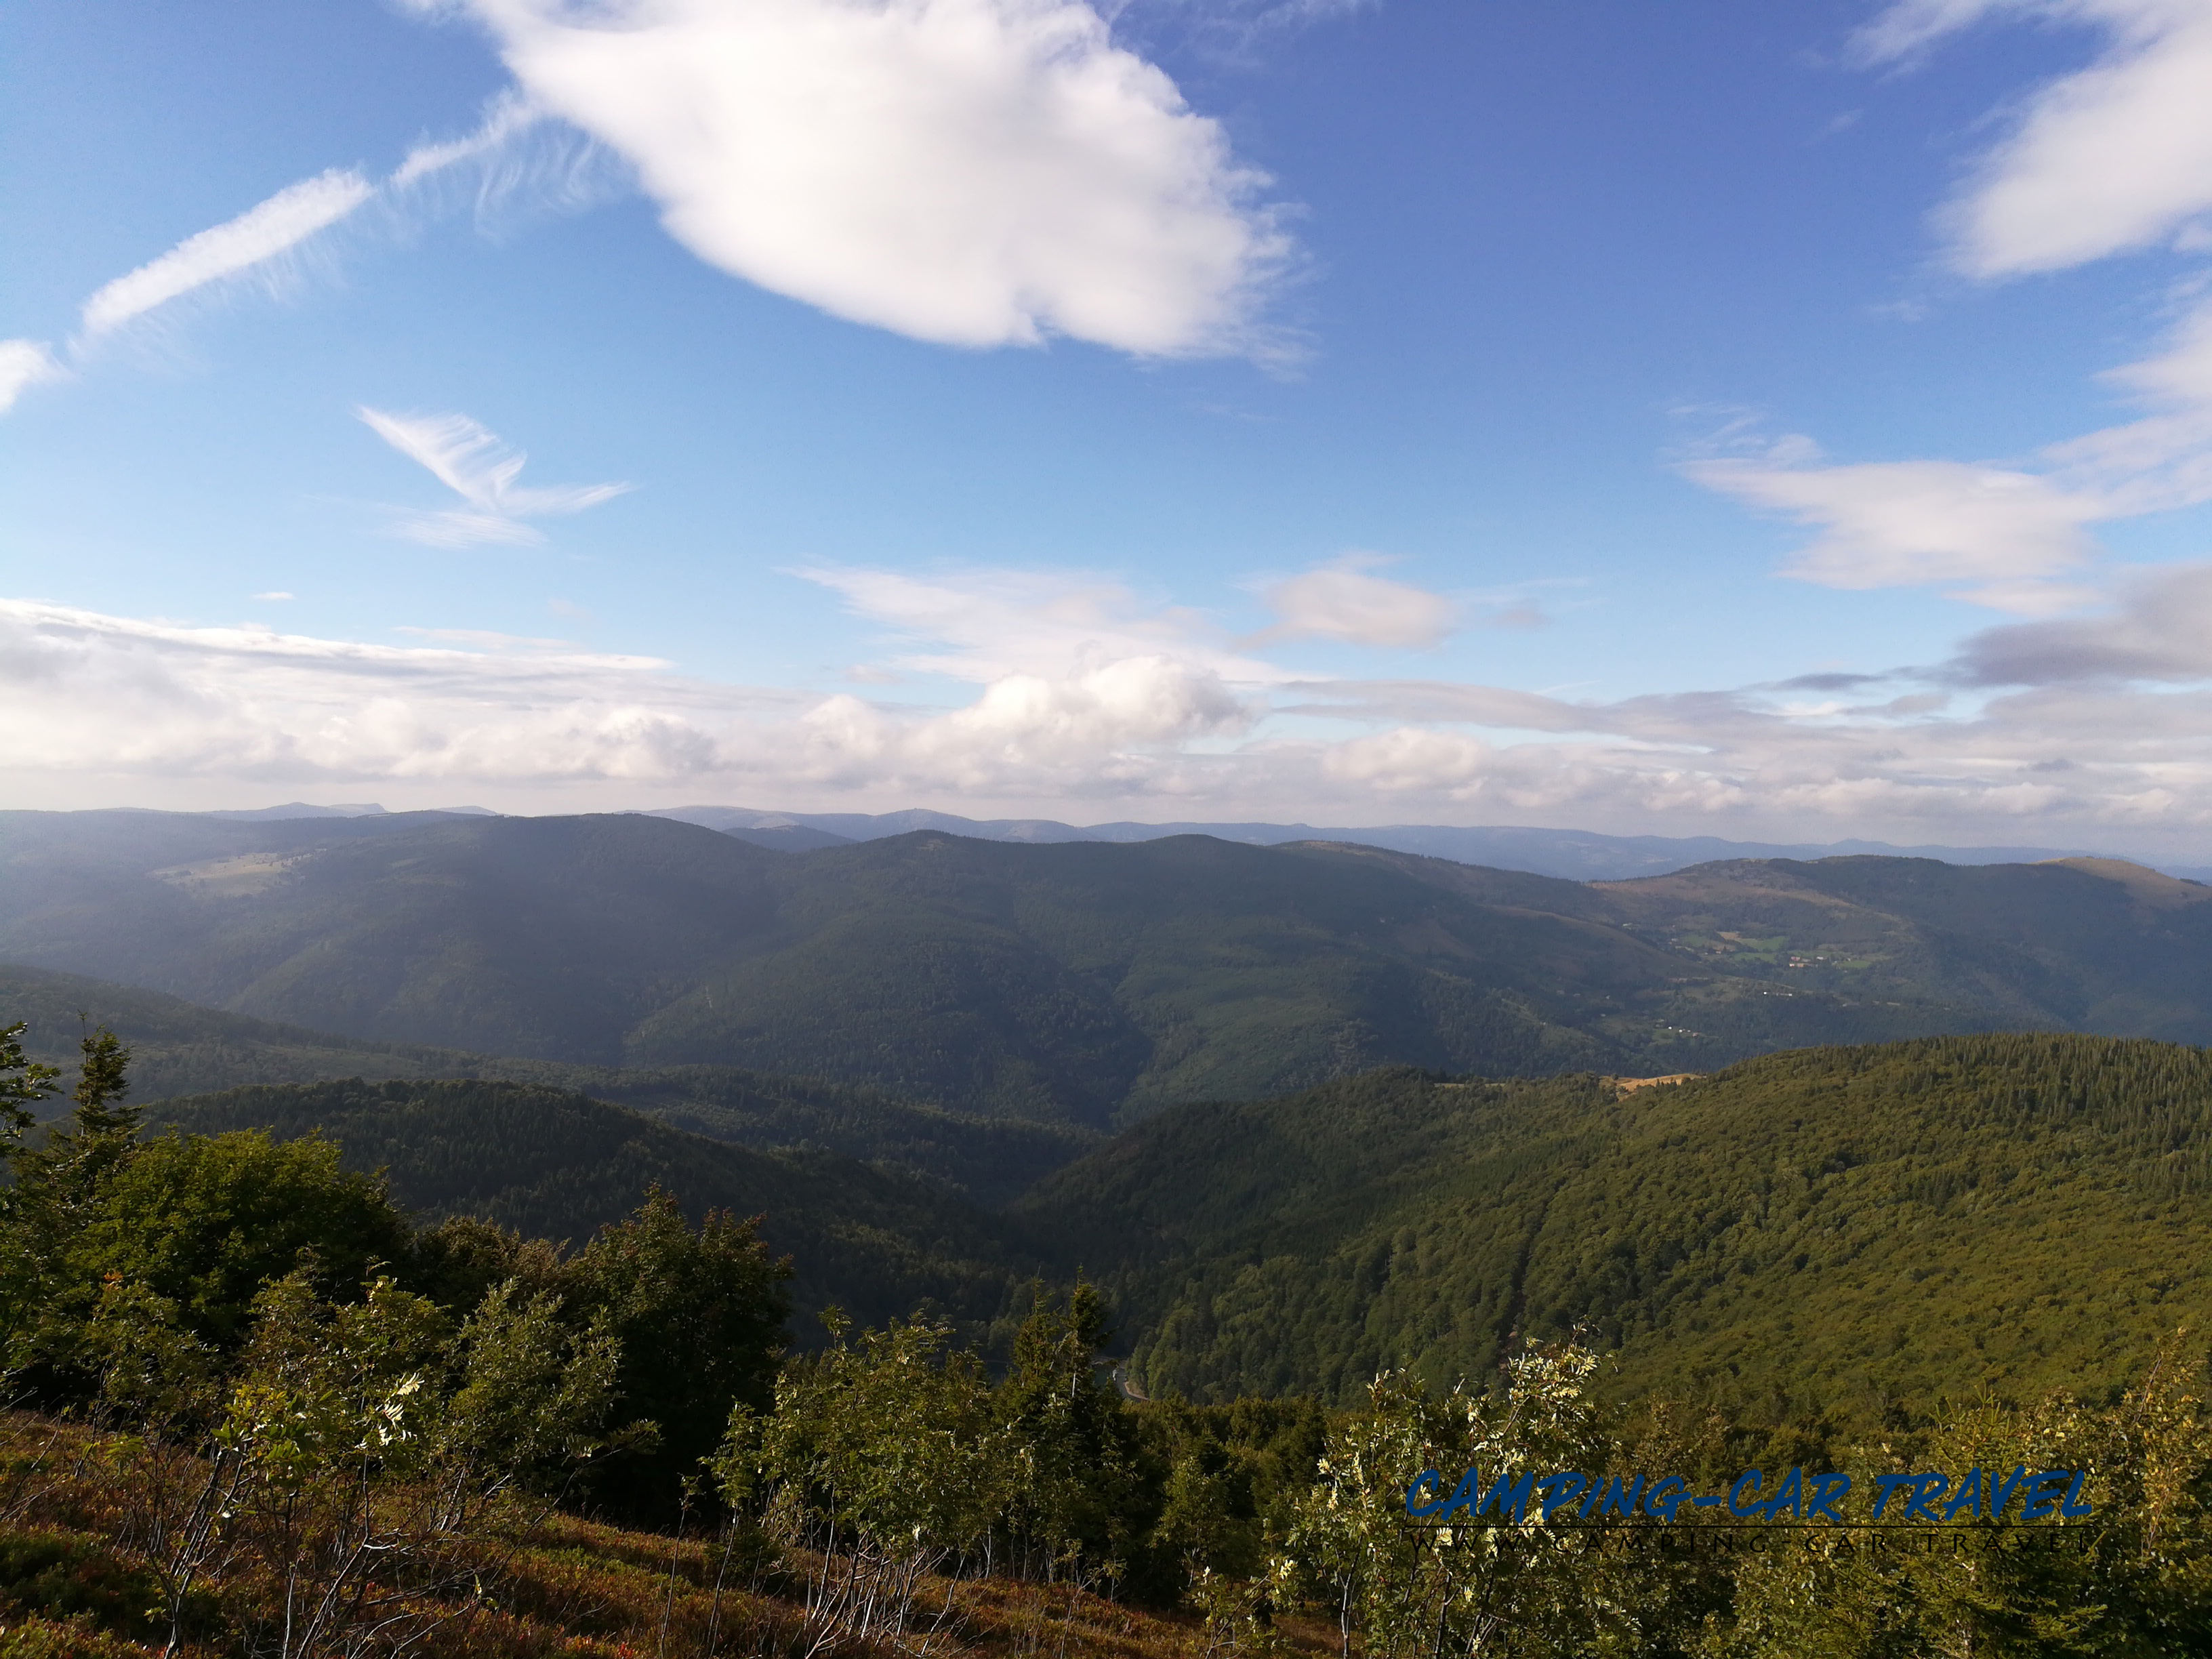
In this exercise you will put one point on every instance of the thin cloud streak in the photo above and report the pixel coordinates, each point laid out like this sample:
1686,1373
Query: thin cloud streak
482,471
506,118
24,364
506,153
262,234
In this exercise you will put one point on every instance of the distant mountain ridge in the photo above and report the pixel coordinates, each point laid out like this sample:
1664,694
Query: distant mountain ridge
1083,984
1571,854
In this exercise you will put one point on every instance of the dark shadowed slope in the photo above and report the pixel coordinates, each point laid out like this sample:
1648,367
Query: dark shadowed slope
559,1165
178,1047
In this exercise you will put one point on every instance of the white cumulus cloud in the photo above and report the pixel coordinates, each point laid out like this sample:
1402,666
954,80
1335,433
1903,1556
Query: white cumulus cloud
482,471
975,172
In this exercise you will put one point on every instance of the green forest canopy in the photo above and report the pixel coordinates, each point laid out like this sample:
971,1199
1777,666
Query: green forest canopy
1830,1228
1824,1229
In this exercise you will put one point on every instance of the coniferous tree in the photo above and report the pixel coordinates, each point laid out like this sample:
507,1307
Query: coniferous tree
23,1083
1070,1449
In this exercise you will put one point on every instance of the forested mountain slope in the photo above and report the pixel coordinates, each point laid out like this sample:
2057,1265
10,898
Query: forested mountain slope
1827,1228
547,937
556,1165
2087,943
1082,983
178,1047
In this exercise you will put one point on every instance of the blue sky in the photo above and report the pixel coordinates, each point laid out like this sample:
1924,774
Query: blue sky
1698,419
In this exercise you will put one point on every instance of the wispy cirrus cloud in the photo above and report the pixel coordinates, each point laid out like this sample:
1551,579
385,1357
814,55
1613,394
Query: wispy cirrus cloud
476,465
508,118
24,364
265,243
2114,158
254,240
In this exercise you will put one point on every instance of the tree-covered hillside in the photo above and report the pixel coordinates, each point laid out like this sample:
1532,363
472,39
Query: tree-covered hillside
1072,982
180,1048
559,1165
1830,1228
1821,1230
2083,944
1083,983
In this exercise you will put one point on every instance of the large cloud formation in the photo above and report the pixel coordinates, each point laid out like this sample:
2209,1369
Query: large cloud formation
975,172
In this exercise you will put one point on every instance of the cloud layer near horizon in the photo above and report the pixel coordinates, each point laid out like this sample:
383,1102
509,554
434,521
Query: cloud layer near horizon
2083,727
